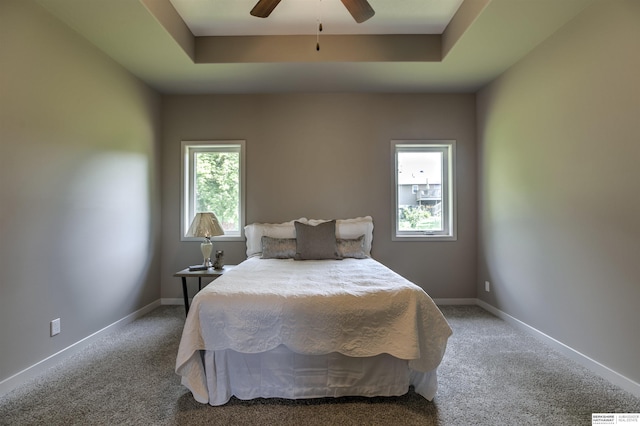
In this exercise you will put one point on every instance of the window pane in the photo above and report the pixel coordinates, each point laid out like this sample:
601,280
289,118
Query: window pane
420,183
424,190
217,186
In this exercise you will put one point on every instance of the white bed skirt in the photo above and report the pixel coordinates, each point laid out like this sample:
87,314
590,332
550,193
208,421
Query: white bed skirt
281,373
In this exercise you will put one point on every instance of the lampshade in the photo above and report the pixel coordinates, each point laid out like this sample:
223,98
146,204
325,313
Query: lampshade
205,225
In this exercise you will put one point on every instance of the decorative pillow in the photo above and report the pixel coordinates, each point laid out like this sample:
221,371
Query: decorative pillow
256,231
353,228
316,242
278,248
353,248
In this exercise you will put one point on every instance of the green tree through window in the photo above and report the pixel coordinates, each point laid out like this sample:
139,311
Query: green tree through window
217,186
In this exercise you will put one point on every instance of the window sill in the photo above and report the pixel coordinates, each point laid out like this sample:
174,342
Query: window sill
410,238
216,239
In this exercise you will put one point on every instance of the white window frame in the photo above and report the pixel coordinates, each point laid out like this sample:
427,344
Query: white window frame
449,217
187,196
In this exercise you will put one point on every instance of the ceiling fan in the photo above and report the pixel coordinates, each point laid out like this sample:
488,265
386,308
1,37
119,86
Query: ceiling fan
361,10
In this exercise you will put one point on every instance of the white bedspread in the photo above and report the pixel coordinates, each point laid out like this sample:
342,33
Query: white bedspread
356,307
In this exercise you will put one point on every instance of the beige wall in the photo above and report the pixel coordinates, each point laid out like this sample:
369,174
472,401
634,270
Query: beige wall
79,199
559,145
327,156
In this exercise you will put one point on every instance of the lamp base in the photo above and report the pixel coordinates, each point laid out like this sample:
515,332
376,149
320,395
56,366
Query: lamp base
206,248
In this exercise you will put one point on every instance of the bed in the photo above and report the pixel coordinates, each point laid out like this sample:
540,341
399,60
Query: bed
310,314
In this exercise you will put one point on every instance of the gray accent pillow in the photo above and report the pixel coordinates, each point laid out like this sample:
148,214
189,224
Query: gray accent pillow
316,242
278,248
351,247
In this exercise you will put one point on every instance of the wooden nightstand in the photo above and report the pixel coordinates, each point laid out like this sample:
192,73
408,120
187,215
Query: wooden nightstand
209,273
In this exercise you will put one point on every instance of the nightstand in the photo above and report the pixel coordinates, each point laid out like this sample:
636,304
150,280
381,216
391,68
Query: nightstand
209,273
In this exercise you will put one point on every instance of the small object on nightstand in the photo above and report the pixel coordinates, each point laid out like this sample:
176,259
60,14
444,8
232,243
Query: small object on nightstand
198,268
219,264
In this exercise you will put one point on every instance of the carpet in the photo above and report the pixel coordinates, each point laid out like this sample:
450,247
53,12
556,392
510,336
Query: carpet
492,374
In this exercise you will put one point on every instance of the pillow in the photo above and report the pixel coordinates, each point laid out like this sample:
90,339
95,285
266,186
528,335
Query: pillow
353,248
278,248
316,242
353,228
256,231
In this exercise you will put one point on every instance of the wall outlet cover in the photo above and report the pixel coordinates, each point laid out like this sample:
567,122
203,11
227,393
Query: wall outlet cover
55,327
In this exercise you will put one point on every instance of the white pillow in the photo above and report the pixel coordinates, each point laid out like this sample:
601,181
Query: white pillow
352,228
256,231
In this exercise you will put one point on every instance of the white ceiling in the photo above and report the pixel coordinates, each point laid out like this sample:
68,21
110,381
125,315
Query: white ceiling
231,17
148,38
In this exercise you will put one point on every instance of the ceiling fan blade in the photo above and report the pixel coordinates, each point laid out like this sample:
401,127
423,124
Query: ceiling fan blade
361,10
263,8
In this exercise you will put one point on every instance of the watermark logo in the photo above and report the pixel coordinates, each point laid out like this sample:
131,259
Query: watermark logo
626,419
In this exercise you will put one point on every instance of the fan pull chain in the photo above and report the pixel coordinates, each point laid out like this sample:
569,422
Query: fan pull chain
319,25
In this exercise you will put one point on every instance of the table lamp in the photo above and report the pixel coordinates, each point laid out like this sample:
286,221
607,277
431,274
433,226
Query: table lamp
205,225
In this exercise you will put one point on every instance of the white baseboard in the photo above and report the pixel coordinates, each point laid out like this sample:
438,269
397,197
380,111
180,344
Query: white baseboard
28,373
591,364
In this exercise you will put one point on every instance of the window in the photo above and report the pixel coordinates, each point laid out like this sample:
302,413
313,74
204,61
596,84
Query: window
424,190
213,181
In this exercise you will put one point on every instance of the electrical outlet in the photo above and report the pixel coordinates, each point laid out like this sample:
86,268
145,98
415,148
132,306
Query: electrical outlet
487,286
55,327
